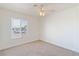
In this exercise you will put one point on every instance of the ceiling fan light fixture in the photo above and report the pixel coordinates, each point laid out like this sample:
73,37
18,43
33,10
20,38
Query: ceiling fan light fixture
41,9
42,13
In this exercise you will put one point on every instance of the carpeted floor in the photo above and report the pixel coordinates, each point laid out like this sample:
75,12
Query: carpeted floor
37,48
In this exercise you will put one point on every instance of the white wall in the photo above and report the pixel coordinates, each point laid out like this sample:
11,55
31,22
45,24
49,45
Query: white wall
62,28
32,33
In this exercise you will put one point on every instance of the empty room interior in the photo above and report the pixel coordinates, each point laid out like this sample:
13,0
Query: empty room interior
39,29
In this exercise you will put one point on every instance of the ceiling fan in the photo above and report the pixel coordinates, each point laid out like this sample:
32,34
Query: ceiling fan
42,9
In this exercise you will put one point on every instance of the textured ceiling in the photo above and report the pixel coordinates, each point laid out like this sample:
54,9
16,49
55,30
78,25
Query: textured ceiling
30,9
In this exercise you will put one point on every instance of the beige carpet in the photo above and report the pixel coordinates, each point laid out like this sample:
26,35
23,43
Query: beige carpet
37,48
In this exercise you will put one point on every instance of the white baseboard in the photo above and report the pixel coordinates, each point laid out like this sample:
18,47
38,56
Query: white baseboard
60,45
4,48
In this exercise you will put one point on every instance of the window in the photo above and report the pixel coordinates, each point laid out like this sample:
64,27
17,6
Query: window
18,27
